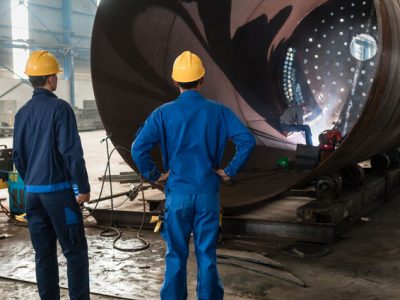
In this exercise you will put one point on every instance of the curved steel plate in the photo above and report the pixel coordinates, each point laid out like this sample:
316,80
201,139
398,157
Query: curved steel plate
246,47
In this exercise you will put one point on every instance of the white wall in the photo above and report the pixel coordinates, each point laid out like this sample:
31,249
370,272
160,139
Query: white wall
83,91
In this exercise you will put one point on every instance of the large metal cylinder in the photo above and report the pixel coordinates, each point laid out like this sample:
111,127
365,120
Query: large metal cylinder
339,57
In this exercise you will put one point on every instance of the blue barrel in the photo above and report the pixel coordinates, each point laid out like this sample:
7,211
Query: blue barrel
17,195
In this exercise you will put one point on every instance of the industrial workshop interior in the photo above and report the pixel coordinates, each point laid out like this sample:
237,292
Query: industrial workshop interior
200,149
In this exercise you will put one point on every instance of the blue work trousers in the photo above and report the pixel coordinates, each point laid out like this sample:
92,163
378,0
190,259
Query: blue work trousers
184,214
51,217
299,128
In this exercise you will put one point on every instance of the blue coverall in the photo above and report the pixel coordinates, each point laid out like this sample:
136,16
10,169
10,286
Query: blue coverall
48,155
192,133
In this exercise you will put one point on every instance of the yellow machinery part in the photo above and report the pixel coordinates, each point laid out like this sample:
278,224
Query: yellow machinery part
3,184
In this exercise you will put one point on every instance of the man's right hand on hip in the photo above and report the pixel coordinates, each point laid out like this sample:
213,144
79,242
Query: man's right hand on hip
221,173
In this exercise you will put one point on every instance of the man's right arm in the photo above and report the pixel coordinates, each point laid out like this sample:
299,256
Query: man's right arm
244,141
145,140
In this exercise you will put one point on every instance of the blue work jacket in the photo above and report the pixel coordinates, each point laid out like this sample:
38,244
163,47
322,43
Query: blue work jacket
192,133
47,150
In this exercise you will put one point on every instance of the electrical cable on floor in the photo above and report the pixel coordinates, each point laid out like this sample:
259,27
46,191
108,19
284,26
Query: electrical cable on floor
144,242
112,231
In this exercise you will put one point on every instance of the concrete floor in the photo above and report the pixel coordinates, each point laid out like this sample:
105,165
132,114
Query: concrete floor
363,264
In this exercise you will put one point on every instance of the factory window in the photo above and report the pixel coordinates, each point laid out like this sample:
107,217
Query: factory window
20,34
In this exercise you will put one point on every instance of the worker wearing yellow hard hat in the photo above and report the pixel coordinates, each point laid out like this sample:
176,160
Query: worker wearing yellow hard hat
42,67
188,67
42,63
48,155
192,132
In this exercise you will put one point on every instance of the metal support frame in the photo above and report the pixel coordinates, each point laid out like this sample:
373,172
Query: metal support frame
58,9
62,37
59,48
22,81
69,57
10,70
11,89
39,20
53,32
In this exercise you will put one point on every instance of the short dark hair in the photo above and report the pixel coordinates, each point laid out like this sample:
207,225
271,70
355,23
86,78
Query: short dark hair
38,81
190,85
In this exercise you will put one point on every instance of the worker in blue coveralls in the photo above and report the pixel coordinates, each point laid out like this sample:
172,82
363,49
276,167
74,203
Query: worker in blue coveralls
192,133
48,155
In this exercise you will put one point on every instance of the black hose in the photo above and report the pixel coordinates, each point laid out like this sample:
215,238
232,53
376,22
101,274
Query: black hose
112,230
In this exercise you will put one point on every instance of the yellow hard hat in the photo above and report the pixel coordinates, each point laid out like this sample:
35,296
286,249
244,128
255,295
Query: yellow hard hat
187,68
42,63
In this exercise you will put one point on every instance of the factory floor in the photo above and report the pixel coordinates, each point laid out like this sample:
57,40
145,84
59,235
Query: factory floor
363,264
